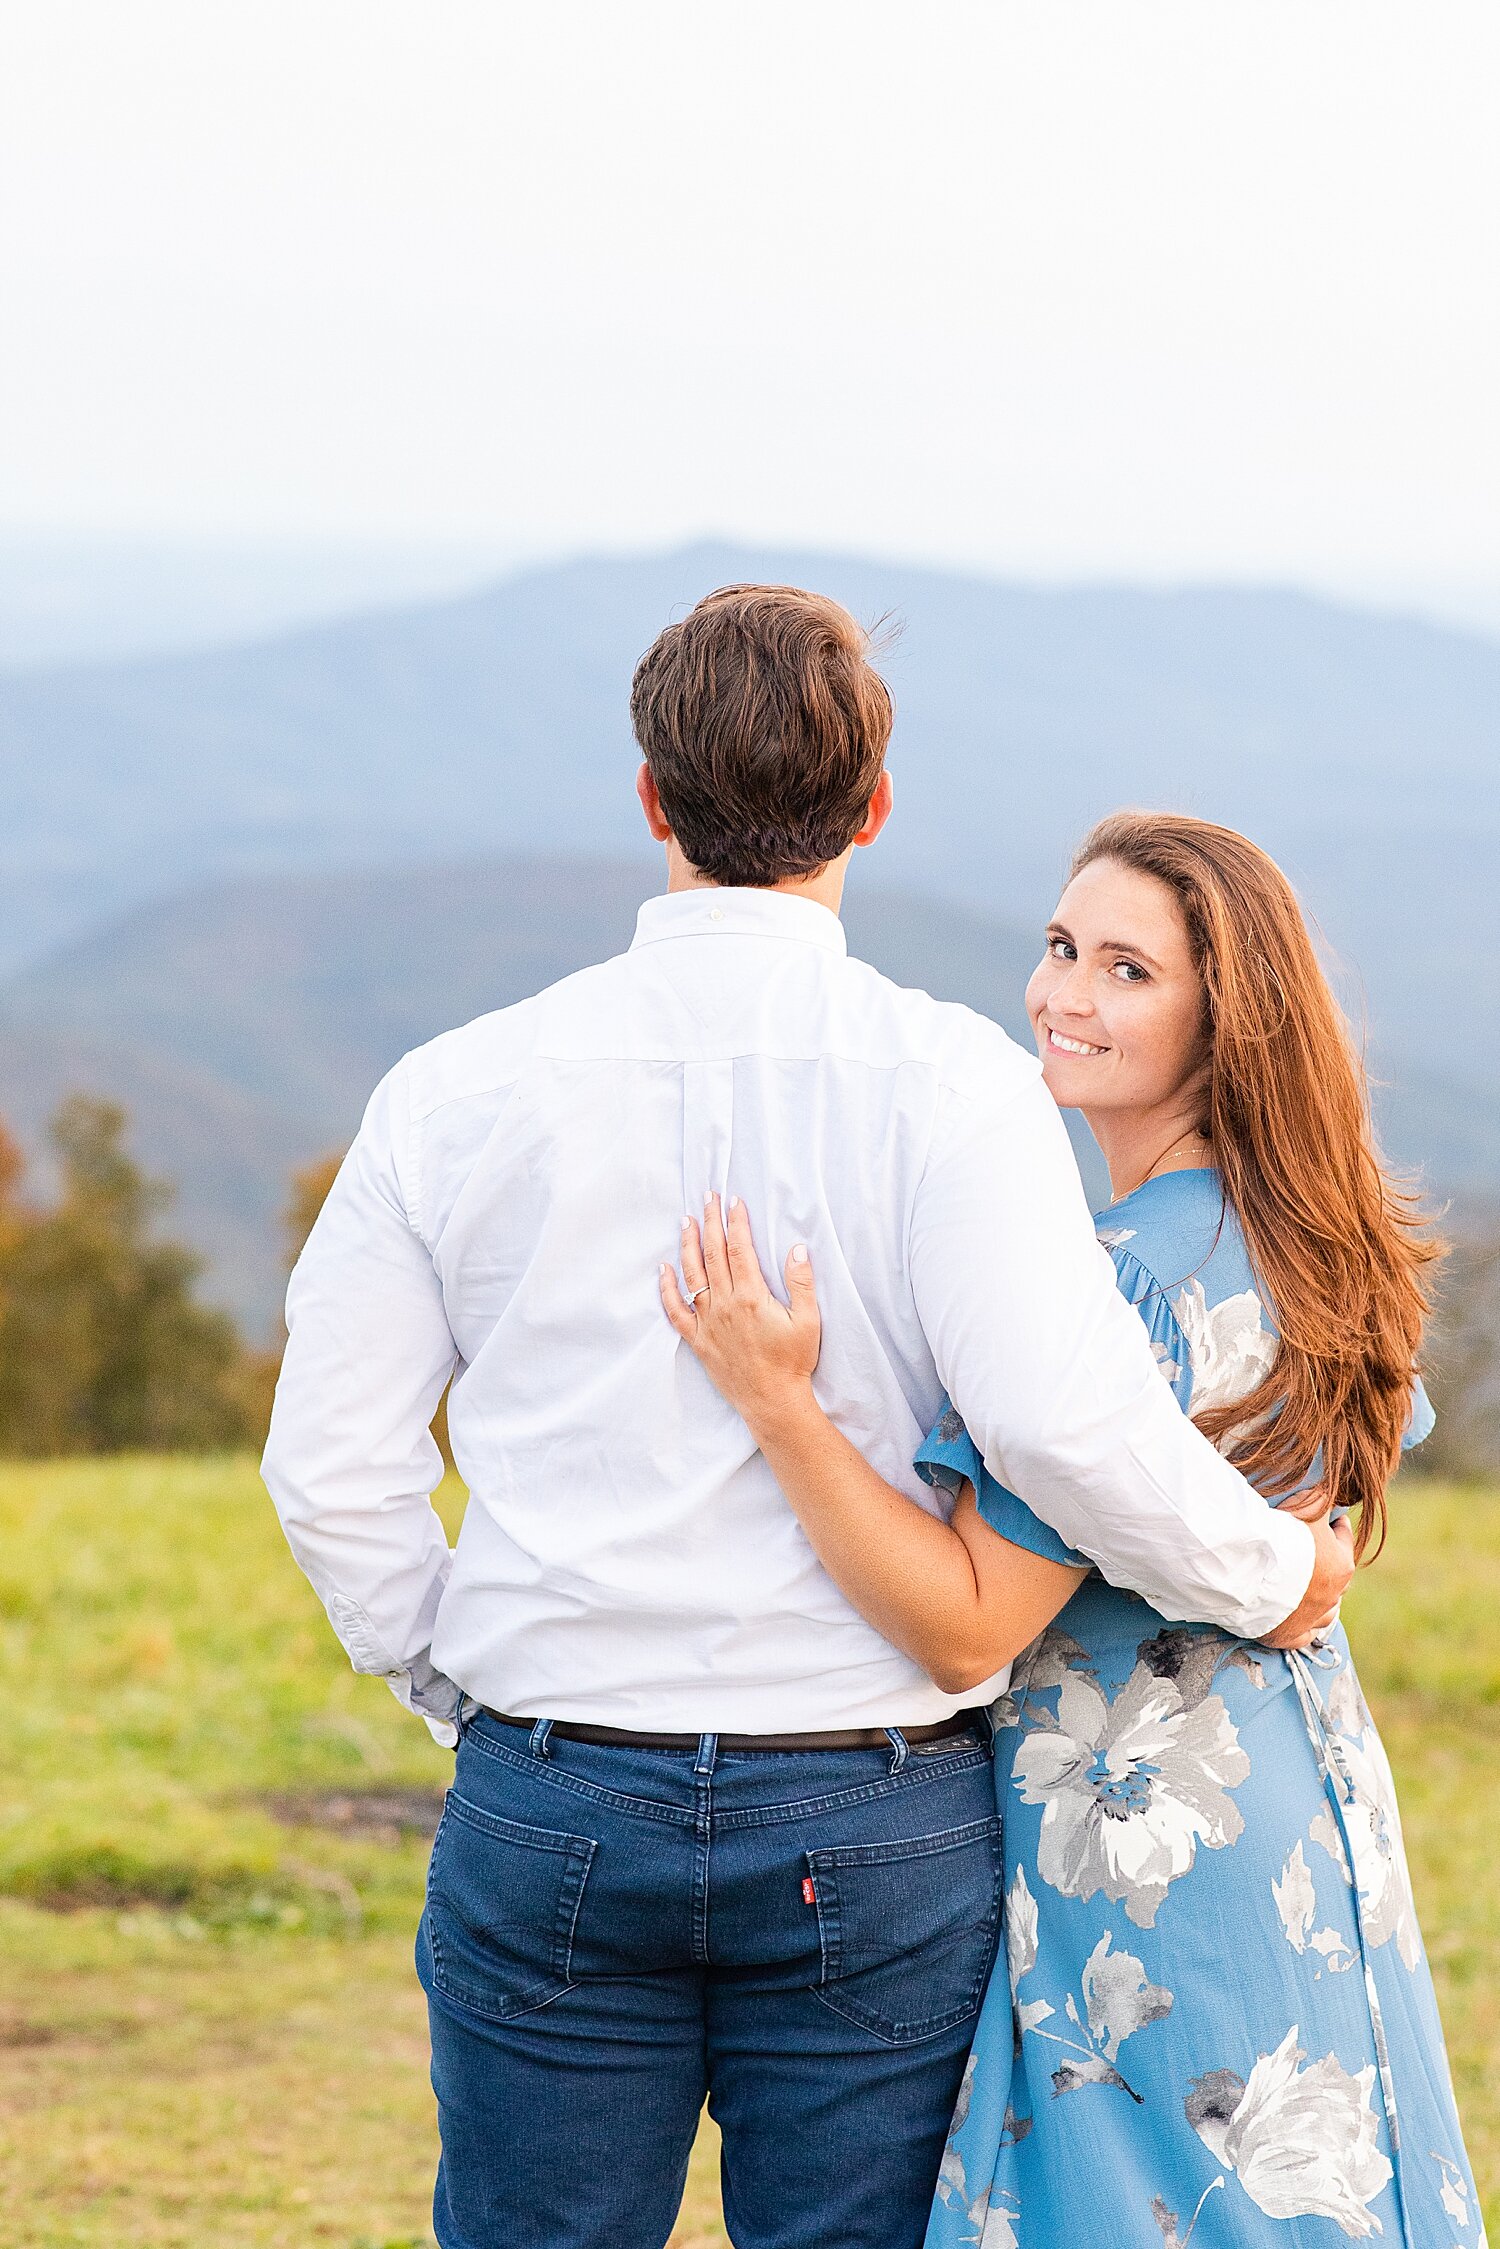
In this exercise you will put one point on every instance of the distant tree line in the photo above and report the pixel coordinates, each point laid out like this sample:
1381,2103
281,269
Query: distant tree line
105,1346
1464,1357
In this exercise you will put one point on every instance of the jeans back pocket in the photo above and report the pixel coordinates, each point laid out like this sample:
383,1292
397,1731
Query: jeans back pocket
909,1929
502,1906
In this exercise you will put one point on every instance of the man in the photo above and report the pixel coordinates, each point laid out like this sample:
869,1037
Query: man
709,1833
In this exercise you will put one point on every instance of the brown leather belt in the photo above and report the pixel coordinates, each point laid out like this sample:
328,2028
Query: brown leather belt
851,1737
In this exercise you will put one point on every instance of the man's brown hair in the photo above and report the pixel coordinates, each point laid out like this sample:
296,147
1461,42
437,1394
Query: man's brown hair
765,726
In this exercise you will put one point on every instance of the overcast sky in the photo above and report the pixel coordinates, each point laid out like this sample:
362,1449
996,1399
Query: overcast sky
1063,289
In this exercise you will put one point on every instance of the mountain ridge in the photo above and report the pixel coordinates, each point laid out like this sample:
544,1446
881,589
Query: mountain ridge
244,1024
290,784
1359,747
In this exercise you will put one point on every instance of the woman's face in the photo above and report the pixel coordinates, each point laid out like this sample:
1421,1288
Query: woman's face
1116,1002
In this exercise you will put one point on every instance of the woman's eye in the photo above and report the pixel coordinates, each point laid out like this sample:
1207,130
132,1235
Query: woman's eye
1130,972
1060,949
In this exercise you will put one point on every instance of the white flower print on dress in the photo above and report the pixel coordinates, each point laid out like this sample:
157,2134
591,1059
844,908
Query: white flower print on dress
1021,1923
1454,2191
1119,1999
1045,1664
999,2228
1193,1655
1167,2220
1359,1772
1303,2143
1297,1903
1325,1830
1228,1348
1166,1365
1344,1706
992,2224
1130,1788
1373,1826
952,2183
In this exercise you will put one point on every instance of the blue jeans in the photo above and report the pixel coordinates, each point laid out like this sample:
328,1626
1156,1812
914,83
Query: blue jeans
613,1934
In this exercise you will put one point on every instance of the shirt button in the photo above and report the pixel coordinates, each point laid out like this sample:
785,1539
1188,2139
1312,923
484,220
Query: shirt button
716,913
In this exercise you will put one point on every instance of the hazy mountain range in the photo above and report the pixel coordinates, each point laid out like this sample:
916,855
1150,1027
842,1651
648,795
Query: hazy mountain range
244,1025
74,600
236,884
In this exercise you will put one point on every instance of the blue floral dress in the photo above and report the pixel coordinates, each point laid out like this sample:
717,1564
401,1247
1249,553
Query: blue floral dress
1218,2025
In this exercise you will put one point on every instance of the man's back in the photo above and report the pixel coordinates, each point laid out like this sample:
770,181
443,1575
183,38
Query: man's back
626,1557
688,1851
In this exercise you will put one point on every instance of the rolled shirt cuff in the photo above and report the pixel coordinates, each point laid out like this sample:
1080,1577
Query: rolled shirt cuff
1286,1578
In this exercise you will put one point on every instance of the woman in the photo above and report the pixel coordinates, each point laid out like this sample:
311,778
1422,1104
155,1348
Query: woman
1218,2024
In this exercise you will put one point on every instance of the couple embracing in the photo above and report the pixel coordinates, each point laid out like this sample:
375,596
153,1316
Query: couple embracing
968,1596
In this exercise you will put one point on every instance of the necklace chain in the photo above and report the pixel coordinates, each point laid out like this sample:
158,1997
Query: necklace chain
1192,1133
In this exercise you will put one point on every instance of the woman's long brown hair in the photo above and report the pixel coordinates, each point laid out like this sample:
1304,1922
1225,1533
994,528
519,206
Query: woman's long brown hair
1336,1243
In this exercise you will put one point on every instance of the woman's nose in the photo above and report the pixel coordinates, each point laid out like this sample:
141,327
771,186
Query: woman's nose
1070,995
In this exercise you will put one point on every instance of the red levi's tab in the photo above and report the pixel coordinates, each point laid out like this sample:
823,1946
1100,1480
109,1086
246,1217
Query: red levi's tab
809,1890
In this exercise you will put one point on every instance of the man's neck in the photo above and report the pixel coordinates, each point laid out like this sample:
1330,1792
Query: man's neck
825,888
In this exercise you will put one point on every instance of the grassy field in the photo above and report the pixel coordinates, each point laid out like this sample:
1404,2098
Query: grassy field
211,1847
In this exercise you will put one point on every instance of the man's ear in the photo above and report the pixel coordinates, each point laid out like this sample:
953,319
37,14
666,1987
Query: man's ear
656,820
879,810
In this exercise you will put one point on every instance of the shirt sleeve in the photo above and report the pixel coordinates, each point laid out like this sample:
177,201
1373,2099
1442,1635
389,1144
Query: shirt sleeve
949,1458
351,1462
1056,1380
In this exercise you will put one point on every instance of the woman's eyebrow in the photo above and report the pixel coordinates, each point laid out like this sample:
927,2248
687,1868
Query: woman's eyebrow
1136,952
1105,945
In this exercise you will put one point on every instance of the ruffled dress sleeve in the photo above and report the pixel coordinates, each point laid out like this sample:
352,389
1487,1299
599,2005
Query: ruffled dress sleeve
1169,1345
949,1456
1423,1420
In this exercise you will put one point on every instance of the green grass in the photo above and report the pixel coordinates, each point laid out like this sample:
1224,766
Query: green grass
210,2033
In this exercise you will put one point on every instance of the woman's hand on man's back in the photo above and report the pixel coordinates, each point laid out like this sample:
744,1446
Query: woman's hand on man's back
758,1352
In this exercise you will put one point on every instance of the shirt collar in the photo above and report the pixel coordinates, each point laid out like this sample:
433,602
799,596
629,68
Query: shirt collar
721,912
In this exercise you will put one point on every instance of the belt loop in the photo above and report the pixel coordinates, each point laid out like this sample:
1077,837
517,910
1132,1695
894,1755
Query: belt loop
461,1709
708,1751
539,1733
983,1715
897,1740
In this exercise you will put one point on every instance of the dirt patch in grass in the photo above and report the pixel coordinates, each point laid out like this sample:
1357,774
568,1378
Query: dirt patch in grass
16,2033
78,1878
191,1901
380,1815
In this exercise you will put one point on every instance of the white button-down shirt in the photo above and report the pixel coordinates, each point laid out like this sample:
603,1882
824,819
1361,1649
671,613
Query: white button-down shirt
626,1556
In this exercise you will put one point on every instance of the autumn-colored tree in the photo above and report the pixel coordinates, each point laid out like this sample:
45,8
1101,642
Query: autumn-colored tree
310,1187
307,1194
103,1344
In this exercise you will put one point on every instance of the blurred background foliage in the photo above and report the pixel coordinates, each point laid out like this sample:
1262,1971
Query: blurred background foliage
105,1346
1464,1355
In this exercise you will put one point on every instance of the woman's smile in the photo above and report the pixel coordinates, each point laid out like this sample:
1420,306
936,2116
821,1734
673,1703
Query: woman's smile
1063,1045
1119,981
